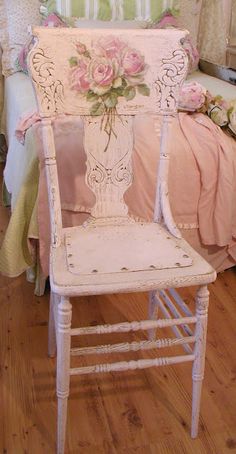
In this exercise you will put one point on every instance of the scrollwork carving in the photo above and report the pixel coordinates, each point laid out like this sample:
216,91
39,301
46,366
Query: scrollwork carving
109,173
172,73
96,173
51,90
122,172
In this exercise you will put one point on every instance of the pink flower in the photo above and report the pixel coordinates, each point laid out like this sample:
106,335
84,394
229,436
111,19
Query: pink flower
133,65
110,47
192,96
167,20
79,77
102,72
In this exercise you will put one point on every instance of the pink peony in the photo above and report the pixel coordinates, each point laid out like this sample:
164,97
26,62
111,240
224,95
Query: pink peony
79,77
133,65
110,47
102,72
192,96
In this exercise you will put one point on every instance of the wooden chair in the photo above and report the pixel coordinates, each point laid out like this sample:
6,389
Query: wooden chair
108,77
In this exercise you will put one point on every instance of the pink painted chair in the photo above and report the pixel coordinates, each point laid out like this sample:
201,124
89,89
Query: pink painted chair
108,77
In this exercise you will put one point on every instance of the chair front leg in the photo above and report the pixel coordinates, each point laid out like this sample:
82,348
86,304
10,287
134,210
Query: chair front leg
63,368
202,301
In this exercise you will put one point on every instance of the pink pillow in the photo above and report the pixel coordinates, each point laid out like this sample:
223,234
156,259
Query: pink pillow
53,20
167,20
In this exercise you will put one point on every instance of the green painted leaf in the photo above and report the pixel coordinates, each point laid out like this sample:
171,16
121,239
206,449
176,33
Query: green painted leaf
129,93
97,109
91,96
73,61
124,83
118,91
144,90
111,100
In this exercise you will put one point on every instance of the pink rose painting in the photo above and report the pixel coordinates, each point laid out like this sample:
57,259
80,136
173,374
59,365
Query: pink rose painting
108,71
79,76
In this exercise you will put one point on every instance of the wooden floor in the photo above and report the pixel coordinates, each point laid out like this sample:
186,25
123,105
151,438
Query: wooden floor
136,412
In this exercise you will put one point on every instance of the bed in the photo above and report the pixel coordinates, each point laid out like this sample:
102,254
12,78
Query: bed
202,180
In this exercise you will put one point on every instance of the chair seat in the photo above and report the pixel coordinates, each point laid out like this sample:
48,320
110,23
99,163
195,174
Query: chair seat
124,258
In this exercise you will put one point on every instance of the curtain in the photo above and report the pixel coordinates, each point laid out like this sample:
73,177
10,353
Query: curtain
213,31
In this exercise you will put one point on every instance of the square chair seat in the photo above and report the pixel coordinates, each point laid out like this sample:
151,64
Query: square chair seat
121,258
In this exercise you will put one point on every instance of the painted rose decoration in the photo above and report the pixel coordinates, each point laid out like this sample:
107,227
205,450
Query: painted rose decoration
109,70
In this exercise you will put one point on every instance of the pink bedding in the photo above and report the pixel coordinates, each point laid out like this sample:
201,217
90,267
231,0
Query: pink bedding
202,178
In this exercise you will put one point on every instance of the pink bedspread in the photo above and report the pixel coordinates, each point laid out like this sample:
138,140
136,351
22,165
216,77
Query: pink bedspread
202,177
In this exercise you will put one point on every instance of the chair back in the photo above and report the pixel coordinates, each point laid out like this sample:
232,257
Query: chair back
107,77
64,61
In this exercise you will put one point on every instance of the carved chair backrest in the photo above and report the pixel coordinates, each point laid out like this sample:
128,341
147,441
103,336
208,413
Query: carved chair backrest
107,77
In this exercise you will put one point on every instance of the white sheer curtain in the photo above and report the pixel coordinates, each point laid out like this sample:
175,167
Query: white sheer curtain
214,29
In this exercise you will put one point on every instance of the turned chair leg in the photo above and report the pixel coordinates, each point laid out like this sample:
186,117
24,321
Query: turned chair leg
152,313
63,368
202,301
52,347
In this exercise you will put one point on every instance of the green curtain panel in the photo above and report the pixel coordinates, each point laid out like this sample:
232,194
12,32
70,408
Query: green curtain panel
124,9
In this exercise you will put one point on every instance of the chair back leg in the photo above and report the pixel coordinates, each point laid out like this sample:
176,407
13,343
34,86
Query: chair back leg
52,327
152,313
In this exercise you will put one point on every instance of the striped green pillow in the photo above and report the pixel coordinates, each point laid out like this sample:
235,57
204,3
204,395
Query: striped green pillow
143,9
89,9
112,9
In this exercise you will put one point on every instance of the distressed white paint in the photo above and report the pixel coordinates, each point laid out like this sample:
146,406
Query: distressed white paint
131,347
131,365
166,312
109,174
202,301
